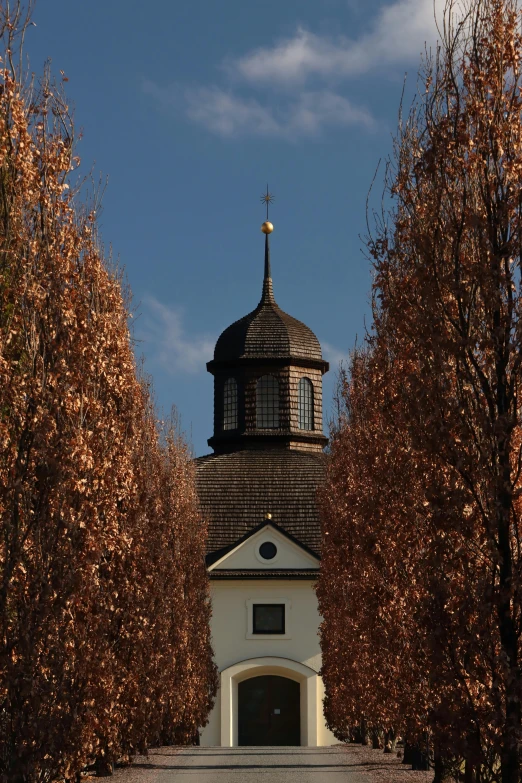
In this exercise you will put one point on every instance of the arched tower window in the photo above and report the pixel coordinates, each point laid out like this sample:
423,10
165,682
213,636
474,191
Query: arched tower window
267,402
305,404
230,404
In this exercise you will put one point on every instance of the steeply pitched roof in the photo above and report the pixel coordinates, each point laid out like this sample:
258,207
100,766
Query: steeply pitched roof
238,489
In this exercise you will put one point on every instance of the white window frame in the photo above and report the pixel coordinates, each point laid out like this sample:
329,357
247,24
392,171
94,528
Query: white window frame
250,618
267,538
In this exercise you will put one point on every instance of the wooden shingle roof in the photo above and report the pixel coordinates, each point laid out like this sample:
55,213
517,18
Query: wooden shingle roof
238,489
267,332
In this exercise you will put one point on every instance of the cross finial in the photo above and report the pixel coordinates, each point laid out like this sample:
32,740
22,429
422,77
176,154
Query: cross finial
267,199
267,228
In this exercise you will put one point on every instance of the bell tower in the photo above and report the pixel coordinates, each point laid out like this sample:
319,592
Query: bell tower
268,370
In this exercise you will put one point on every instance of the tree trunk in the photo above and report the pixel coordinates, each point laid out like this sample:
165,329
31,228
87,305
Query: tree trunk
509,762
104,767
376,739
443,772
354,734
420,761
469,772
390,741
408,753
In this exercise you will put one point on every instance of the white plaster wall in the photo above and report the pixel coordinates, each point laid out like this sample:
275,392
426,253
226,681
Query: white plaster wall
211,734
231,645
229,621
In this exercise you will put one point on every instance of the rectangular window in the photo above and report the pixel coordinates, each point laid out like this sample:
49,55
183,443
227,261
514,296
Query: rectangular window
267,400
230,405
268,618
305,391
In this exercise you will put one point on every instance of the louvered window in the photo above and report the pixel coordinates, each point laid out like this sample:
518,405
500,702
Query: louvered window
267,403
305,401
230,405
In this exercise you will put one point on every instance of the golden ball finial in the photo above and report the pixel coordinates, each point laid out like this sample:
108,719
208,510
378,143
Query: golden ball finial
267,227
268,515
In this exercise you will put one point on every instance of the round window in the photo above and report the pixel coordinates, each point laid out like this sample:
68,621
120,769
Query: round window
268,550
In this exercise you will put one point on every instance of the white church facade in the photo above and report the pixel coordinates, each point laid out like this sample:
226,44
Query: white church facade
258,492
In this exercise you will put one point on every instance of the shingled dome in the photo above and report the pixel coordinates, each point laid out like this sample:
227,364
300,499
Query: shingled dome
267,331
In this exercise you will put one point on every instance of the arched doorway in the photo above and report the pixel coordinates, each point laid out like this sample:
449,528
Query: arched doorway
269,711
250,668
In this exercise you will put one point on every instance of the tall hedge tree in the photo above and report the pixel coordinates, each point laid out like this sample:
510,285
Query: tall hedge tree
446,351
103,591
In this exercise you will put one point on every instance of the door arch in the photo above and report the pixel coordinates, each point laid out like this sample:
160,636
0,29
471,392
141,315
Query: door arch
306,678
269,708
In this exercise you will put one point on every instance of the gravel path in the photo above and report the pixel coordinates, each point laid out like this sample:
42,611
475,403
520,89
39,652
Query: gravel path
337,764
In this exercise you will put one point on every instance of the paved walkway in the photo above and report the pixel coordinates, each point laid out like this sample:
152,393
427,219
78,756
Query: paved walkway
261,765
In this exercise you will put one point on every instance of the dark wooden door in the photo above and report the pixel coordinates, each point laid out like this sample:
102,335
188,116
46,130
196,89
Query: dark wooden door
269,711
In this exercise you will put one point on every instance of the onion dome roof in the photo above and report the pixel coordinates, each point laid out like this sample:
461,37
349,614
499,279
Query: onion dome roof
267,331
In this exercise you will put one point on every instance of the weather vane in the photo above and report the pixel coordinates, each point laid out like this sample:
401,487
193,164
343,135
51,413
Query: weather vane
267,199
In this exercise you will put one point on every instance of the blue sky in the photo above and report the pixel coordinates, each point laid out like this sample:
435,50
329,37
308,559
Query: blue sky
190,108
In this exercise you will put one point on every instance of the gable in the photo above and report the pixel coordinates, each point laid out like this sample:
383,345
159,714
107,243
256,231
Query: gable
247,556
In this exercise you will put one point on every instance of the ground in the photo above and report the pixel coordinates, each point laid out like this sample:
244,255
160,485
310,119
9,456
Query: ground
337,764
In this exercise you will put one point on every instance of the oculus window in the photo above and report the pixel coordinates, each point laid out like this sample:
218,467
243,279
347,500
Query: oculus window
268,618
230,404
267,403
268,550
305,404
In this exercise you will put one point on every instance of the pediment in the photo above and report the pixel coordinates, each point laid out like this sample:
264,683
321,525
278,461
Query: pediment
246,555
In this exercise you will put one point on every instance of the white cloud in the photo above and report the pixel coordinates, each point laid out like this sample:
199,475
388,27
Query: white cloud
230,115
309,66
227,114
162,329
397,35
334,355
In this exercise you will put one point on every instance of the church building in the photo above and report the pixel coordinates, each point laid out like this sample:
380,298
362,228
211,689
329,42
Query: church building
258,492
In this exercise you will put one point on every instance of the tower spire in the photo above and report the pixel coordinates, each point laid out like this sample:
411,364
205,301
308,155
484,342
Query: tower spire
267,228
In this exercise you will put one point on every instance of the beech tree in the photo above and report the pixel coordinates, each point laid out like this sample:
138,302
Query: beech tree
104,607
370,642
441,388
